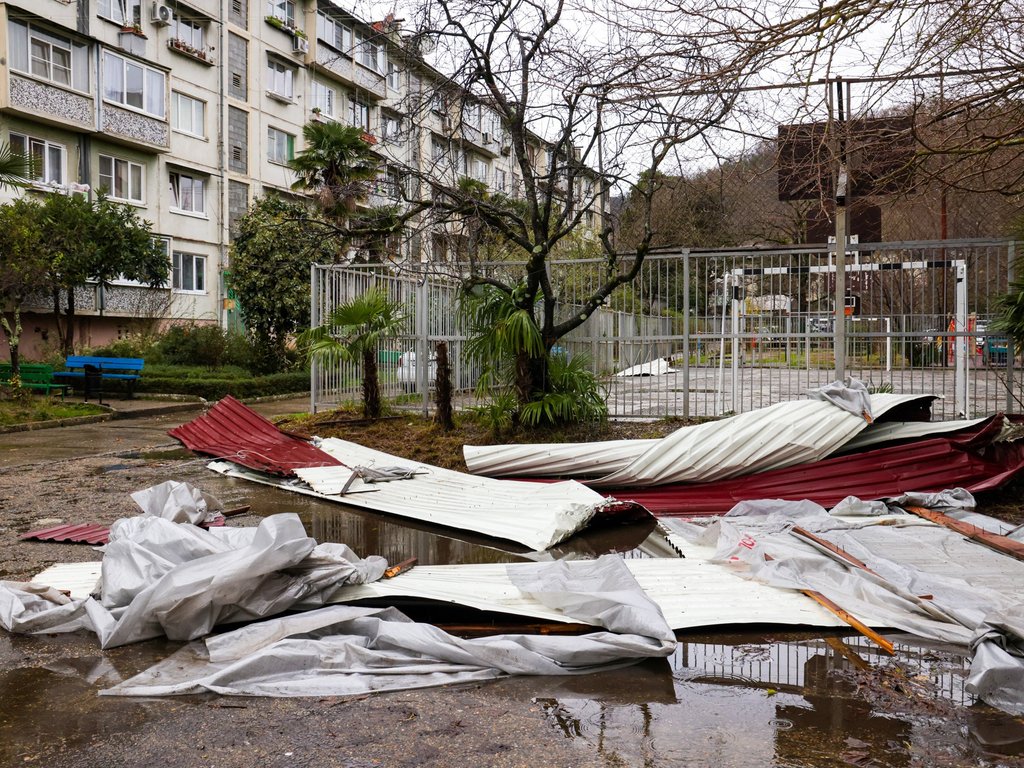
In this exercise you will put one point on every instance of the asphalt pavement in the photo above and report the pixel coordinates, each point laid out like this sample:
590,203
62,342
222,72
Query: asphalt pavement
133,425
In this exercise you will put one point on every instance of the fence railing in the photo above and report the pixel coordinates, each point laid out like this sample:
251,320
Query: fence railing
741,328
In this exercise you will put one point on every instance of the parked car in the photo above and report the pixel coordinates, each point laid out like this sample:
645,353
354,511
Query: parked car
406,373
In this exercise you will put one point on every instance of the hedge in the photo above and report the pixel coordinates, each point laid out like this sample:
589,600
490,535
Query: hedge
214,388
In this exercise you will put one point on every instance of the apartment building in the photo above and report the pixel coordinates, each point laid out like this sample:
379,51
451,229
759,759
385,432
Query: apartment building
188,109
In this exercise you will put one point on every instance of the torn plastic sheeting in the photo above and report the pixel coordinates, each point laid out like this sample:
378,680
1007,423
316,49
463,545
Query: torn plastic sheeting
345,650
178,502
764,439
979,602
161,578
658,367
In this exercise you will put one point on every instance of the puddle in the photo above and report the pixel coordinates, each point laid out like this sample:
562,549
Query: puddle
730,700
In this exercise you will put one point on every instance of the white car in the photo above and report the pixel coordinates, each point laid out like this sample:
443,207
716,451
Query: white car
407,376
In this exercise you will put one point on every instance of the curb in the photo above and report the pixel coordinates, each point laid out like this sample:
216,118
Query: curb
31,426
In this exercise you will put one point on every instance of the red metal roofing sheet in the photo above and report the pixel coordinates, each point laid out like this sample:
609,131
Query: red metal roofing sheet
233,431
968,459
82,533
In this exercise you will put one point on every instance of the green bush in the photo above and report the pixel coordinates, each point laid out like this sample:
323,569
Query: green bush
146,347
215,387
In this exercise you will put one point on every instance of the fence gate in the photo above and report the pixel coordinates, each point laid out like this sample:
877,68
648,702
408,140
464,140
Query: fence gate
738,329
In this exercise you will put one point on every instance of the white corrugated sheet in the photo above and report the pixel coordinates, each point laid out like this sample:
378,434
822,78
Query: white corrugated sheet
891,431
781,435
79,580
537,515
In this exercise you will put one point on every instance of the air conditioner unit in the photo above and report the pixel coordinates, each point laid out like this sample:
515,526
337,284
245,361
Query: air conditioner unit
300,44
163,15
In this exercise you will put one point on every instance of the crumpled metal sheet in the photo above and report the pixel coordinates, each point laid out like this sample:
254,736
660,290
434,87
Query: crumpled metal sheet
781,435
230,430
969,459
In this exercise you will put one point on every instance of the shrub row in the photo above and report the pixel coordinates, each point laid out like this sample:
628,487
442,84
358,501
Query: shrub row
214,388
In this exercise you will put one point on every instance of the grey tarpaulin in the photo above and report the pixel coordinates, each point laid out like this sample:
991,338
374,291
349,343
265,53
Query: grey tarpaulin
963,605
342,650
178,502
162,578
851,395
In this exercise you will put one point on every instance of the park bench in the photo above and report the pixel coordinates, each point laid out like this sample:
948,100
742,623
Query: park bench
93,371
37,376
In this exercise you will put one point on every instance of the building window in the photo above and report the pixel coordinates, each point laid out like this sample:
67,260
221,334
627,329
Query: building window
189,32
188,115
280,79
121,179
283,10
188,272
131,84
394,76
500,180
359,113
127,13
323,99
48,158
48,57
333,32
188,193
370,54
390,128
280,146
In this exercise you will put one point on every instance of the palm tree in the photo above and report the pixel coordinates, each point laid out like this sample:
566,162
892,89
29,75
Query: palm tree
15,168
336,166
353,331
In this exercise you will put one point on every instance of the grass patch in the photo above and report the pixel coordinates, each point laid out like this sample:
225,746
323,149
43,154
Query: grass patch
21,410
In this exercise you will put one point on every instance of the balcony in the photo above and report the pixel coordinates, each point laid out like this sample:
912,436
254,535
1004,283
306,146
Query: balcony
199,54
138,130
342,66
51,103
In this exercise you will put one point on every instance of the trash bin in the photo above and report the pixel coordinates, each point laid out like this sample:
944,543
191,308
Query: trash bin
93,382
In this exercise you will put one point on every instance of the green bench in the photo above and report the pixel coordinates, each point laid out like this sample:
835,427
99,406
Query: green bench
37,376
93,371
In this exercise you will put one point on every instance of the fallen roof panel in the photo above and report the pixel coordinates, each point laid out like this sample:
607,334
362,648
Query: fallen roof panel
969,459
781,435
230,430
537,515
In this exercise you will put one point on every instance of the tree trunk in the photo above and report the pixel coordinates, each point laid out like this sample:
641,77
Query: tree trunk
69,335
444,388
13,339
61,333
371,390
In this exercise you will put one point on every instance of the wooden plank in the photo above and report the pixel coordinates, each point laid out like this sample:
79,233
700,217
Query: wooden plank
999,543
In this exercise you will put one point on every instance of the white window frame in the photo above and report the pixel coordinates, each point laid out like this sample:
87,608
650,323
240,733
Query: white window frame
324,98
390,128
394,76
190,31
111,60
354,105
134,196
280,146
197,268
333,32
280,74
31,52
181,105
369,54
50,158
282,10
124,12
183,188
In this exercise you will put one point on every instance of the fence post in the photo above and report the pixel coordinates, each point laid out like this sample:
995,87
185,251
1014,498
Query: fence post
686,334
422,342
1011,347
960,340
314,321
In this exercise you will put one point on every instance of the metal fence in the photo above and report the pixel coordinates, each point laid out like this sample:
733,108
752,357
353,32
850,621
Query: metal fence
741,328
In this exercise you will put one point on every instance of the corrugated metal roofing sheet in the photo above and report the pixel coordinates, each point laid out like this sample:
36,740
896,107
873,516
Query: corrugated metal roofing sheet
537,515
781,435
232,431
968,459
691,592
81,533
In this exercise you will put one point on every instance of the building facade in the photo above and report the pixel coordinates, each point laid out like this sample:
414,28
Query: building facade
188,109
